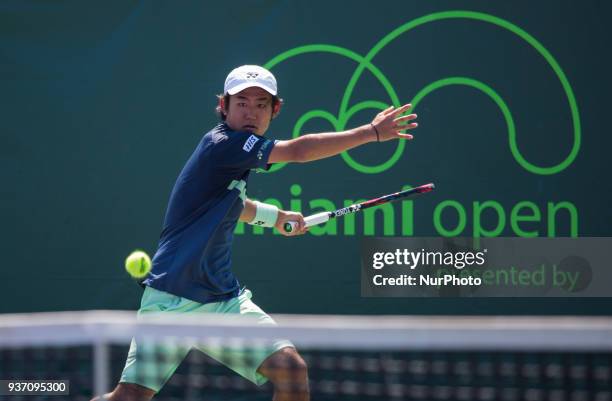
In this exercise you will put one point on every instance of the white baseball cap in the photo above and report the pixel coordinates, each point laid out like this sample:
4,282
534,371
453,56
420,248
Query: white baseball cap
247,76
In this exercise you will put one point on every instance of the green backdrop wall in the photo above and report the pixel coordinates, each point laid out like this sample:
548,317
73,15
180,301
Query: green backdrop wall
103,103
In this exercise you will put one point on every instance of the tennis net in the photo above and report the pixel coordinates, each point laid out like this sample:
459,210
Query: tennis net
348,357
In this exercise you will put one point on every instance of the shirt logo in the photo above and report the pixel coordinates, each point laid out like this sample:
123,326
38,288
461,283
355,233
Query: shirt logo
248,145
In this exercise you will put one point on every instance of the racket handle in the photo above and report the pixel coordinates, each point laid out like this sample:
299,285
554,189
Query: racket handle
311,220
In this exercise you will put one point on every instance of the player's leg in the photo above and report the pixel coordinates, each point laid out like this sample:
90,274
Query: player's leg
148,365
278,361
288,373
146,371
127,392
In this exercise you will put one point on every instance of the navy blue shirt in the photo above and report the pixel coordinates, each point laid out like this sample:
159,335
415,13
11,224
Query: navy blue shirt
193,259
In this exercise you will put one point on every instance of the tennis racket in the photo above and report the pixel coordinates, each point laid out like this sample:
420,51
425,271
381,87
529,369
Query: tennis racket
322,217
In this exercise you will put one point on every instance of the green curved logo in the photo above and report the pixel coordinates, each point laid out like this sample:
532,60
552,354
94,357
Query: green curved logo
345,112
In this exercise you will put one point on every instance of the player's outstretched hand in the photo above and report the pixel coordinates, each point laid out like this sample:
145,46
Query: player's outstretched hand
284,217
390,123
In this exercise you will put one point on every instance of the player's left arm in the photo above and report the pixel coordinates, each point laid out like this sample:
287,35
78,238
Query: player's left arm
250,212
386,126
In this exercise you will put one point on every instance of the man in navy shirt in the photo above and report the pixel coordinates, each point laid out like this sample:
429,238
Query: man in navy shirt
192,266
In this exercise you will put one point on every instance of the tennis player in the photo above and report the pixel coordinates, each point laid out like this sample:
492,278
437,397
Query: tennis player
192,266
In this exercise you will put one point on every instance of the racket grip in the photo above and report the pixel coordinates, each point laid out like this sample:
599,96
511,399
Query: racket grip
311,220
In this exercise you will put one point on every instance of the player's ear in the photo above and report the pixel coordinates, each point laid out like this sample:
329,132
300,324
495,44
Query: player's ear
222,103
276,109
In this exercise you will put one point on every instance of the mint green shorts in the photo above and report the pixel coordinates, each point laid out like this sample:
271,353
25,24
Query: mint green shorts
151,365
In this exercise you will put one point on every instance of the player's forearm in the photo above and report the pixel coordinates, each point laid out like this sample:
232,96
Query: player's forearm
319,146
248,213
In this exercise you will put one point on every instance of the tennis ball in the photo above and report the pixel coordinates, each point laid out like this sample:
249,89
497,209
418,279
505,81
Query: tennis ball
138,264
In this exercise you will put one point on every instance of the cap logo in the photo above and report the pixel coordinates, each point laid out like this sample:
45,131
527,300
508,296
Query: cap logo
252,75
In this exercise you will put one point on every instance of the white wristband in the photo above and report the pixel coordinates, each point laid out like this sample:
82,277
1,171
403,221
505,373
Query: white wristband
265,215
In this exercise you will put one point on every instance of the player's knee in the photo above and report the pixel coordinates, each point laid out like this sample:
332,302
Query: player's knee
300,366
286,366
127,392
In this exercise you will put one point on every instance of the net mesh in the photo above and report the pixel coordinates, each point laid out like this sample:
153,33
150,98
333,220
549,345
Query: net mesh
348,358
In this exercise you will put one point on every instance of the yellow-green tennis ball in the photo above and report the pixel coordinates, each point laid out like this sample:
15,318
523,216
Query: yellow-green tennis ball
138,264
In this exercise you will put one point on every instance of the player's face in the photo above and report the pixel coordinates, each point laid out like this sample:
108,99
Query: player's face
249,110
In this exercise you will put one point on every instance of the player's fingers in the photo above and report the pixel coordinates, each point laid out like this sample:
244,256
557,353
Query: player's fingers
404,127
402,110
405,136
388,109
405,118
